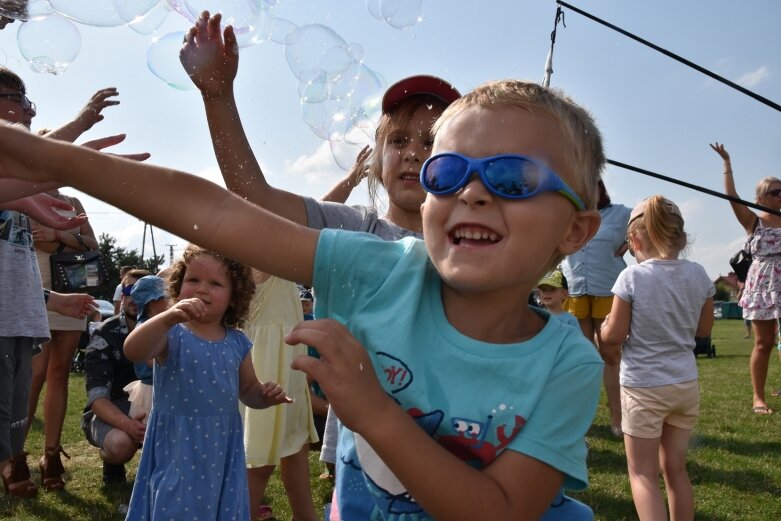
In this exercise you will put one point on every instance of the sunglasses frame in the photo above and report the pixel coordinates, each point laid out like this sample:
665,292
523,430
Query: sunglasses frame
776,192
23,100
550,181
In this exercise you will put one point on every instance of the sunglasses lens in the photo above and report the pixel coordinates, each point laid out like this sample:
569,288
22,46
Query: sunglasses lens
127,289
443,173
514,177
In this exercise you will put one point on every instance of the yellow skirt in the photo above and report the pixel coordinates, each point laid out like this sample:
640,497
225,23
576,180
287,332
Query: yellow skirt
276,432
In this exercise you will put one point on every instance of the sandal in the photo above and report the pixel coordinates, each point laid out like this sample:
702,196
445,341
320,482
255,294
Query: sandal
762,410
52,469
18,483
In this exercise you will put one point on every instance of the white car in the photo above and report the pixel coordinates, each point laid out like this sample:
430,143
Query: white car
105,308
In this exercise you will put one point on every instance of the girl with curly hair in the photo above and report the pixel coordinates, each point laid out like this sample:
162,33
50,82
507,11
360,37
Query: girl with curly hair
193,459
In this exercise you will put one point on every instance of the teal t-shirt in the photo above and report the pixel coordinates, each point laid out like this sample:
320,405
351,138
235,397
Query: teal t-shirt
477,399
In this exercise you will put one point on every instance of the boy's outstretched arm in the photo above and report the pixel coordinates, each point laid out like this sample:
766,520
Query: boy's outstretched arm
212,64
513,487
185,205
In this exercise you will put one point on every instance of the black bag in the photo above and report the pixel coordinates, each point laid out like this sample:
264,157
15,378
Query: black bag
76,270
740,263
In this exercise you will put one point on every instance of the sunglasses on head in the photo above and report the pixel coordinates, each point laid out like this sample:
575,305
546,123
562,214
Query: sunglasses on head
127,289
509,176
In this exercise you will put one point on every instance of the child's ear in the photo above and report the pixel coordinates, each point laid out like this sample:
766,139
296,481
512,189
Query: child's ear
583,227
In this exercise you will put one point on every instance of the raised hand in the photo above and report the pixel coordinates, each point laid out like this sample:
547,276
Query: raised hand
344,371
92,111
210,61
720,150
361,168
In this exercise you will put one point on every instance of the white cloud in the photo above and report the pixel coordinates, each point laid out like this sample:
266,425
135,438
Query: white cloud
315,167
753,78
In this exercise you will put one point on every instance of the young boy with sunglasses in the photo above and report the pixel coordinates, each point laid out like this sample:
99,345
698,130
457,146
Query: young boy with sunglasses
434,362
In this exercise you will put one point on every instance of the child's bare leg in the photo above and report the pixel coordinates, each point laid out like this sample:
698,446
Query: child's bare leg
672,457
611,382
257,479
296,478
642,458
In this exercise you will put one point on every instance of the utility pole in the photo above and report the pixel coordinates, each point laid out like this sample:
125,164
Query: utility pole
170,254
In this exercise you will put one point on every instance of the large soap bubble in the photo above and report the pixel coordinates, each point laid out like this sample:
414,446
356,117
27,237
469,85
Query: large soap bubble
314,47
24,9
98,13
243,15
151,21
134,10
49,44
402,14
273,28
162,58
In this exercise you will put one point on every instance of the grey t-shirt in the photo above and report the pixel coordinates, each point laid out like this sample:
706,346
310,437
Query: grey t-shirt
667,298
357,218
22,309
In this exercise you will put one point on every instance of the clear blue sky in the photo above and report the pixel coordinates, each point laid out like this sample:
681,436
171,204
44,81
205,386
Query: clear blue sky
654,113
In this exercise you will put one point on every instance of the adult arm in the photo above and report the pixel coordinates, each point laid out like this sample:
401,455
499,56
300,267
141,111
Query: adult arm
212,64
746,217
201,212
76,305
111,414
87,116
342,190
12,189
614,331
514,486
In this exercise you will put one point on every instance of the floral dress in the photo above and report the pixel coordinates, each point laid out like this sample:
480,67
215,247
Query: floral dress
761,298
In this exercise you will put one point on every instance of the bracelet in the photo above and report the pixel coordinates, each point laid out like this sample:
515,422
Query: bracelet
727,172
46,294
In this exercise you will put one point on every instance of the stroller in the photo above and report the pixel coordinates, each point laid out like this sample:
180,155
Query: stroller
703,346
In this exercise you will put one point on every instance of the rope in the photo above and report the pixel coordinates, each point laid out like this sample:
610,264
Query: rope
549,59
675,57
702,189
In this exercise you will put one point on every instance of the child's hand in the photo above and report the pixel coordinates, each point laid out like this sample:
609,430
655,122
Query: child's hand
721,151
211,63
274,394
91,113
361,168
344,372
185,311
110,141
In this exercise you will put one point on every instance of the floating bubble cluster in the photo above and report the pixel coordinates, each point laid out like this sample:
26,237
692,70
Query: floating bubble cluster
340,95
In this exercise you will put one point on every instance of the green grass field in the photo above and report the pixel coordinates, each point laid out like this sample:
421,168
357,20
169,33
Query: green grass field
734,462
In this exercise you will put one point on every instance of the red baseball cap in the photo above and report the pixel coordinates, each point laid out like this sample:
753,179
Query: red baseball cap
421,84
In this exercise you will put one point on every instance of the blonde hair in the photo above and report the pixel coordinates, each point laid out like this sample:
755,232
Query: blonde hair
763,186
585,156
661,223
397,117
240,276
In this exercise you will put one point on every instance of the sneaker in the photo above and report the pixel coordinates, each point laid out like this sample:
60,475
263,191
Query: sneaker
113,474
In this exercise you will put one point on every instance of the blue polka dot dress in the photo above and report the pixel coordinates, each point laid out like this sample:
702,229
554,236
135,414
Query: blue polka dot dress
192,463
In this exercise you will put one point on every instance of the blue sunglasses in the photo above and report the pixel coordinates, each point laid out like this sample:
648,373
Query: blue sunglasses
507,175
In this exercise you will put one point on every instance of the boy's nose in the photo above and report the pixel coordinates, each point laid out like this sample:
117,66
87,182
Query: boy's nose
475,192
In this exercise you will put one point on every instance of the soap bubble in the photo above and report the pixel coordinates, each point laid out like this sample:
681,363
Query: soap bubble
314,90
162,58
355,51
345,152
373,6
402,14
151,21
243,15
132,11
98,13
24,9
49,44
314,47
274,29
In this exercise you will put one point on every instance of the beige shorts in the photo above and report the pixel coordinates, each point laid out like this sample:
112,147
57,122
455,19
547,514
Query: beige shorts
644,410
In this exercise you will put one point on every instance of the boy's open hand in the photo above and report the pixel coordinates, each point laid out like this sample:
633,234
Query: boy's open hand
274,394
210,62
43,208
185,311
91,113
344,371
110,141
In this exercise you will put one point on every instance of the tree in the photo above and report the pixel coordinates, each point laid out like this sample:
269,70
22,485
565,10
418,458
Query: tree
115,257
722,293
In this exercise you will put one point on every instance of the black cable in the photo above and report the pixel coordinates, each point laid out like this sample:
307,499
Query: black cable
675,57
702,189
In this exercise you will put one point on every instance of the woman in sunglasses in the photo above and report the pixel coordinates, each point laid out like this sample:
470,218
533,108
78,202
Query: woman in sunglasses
760,301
